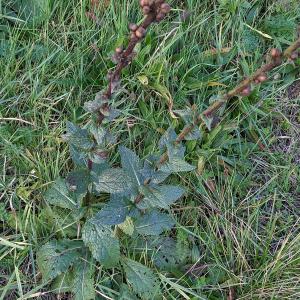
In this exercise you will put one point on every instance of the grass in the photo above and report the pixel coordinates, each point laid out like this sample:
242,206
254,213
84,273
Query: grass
242,212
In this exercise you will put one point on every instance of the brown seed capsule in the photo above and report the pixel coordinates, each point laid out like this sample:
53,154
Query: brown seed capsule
146,10
133,36
133,27
119,50
160,17
262,77
256,81
165,8
246,91
275,53
144,3
294,56
140,33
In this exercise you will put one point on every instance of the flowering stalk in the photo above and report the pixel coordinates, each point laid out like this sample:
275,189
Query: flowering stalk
155,11
242,89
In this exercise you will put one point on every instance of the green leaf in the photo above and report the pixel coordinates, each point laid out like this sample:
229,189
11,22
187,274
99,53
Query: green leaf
83,284
114,212
131,164
142,279
79,158
163,252
160,196
126,294
102,243
176,165
56,257
113,181
78,182
63,283
195,134
154,223
78,137
60,195
156,177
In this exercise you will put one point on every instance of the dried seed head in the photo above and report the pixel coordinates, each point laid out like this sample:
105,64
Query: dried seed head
165,8
133,27
159,2
246,91
140,33
146,10
294,56
160,17
262,77
275,53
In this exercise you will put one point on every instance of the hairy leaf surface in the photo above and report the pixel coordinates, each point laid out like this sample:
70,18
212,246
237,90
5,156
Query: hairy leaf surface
142,279
114,212
78,137
153,223
60,195
100,240
56,257
131,164
83,283
113,181
160,196
176,165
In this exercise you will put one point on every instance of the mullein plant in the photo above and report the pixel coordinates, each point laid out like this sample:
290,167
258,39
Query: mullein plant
113,206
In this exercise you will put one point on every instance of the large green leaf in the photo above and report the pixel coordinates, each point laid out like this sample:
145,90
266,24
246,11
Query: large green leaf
83,283
102,243
126,294
160,196
142,279
175,152
78,181
113,181
78,137
131,164
164,254
60,195
56,257
63,282
153,223
176,165
114,212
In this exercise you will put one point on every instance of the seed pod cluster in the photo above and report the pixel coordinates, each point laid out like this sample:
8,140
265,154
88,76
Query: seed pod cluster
159,7
261,78
294,55
117,55
275,53
246,91
137,32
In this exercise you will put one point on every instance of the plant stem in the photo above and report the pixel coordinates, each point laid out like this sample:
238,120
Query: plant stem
275,62
126,57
